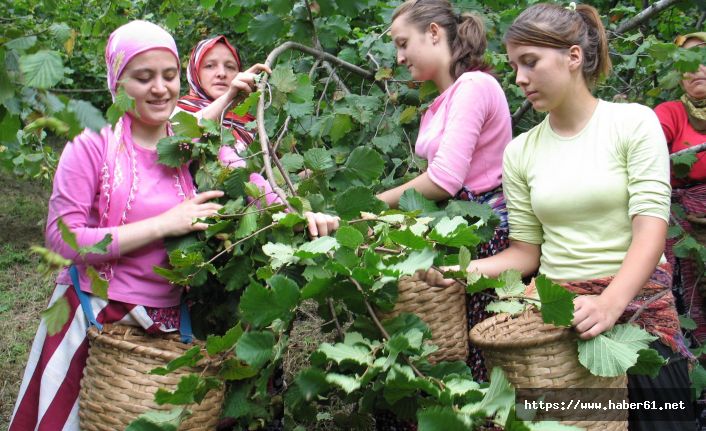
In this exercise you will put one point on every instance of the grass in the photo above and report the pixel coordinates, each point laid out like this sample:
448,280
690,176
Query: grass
24,291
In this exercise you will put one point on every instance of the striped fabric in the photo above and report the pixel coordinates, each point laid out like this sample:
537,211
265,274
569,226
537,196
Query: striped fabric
48,397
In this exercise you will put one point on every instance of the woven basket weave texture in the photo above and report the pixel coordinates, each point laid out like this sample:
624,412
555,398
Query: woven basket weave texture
116,386
443,309
537,355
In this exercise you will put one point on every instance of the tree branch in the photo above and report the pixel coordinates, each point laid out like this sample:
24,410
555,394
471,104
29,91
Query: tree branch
318,54
521,111
695,149
644,16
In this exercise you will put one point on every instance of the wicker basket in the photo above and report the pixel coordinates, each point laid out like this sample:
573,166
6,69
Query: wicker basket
537,355
443,309
116,387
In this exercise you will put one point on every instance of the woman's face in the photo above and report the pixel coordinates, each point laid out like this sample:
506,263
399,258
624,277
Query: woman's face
218,68
152,79
542,73
415,49
694,83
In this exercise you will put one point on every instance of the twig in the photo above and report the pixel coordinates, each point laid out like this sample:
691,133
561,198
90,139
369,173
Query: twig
261,210
521,111
643,307
695,149
318,54
78,90
283,132
644,16
331,308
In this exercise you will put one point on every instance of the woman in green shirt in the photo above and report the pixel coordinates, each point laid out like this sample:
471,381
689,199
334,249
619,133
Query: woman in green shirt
588,191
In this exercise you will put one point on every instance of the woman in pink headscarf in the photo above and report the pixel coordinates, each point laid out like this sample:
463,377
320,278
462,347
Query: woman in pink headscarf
109,183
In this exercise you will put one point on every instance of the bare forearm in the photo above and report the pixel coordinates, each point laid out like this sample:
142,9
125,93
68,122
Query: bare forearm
136,235
423,184
521,256
215,109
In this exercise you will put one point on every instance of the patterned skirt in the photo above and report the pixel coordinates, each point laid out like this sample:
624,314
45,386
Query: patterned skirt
477,302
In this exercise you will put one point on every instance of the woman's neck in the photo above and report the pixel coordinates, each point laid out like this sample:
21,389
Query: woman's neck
147,136
571,117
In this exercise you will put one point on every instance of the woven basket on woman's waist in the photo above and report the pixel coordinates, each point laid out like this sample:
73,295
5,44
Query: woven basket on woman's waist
443,309
534,354
116,387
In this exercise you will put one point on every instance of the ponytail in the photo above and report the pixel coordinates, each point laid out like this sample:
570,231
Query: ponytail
553,26
465,33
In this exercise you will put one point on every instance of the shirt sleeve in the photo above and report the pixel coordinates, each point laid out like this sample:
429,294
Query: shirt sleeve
524,225
75,191
666,120
647,167
466,114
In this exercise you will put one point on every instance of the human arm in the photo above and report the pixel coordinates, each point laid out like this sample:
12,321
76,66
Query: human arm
668,121
244,82
422,183
594,314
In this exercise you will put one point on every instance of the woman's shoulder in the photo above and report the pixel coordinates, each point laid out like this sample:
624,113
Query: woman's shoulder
625,115
478,78
89,144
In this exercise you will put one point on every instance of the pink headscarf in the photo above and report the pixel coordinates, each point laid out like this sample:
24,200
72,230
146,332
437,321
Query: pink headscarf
132,39
119,179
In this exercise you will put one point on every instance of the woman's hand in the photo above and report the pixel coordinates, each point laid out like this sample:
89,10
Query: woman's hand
259,68
594,314
181,219
245,81
320,224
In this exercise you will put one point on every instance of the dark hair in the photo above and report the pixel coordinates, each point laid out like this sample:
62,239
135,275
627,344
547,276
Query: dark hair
553,26
465,33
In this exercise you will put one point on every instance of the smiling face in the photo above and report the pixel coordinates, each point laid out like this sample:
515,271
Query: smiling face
217,69
694,83
415,49
543,74
152,79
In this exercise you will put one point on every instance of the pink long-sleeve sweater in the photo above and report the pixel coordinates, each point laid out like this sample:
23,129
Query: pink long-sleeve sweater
463,134
75,200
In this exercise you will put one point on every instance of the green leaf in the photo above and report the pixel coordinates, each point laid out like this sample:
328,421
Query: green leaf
261,306
216,344
408,239
292,162
255,347
498,399
454,232
513,307
42,70
417,260
190,389
234,184
366,164
60,31
283,79
681,164
412,200
247,225
316,247
351,202
687,323
122,104
613,352
22,43
318,159
233,369
56,315
187,359
340,127
88,115
440,418
512,284
174,151
67,236
185,124
155,420
340,353
557,302
311,382
246,105
408,115
698,380
101,247
649,362
349,237
303,92
280,254
99,286
264,29
464,258
347,383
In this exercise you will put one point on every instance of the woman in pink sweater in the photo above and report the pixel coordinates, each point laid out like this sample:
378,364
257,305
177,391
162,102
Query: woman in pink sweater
109,183
465,129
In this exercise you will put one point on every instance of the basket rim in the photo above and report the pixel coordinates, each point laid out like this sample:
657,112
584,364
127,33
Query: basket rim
477,333
104,337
